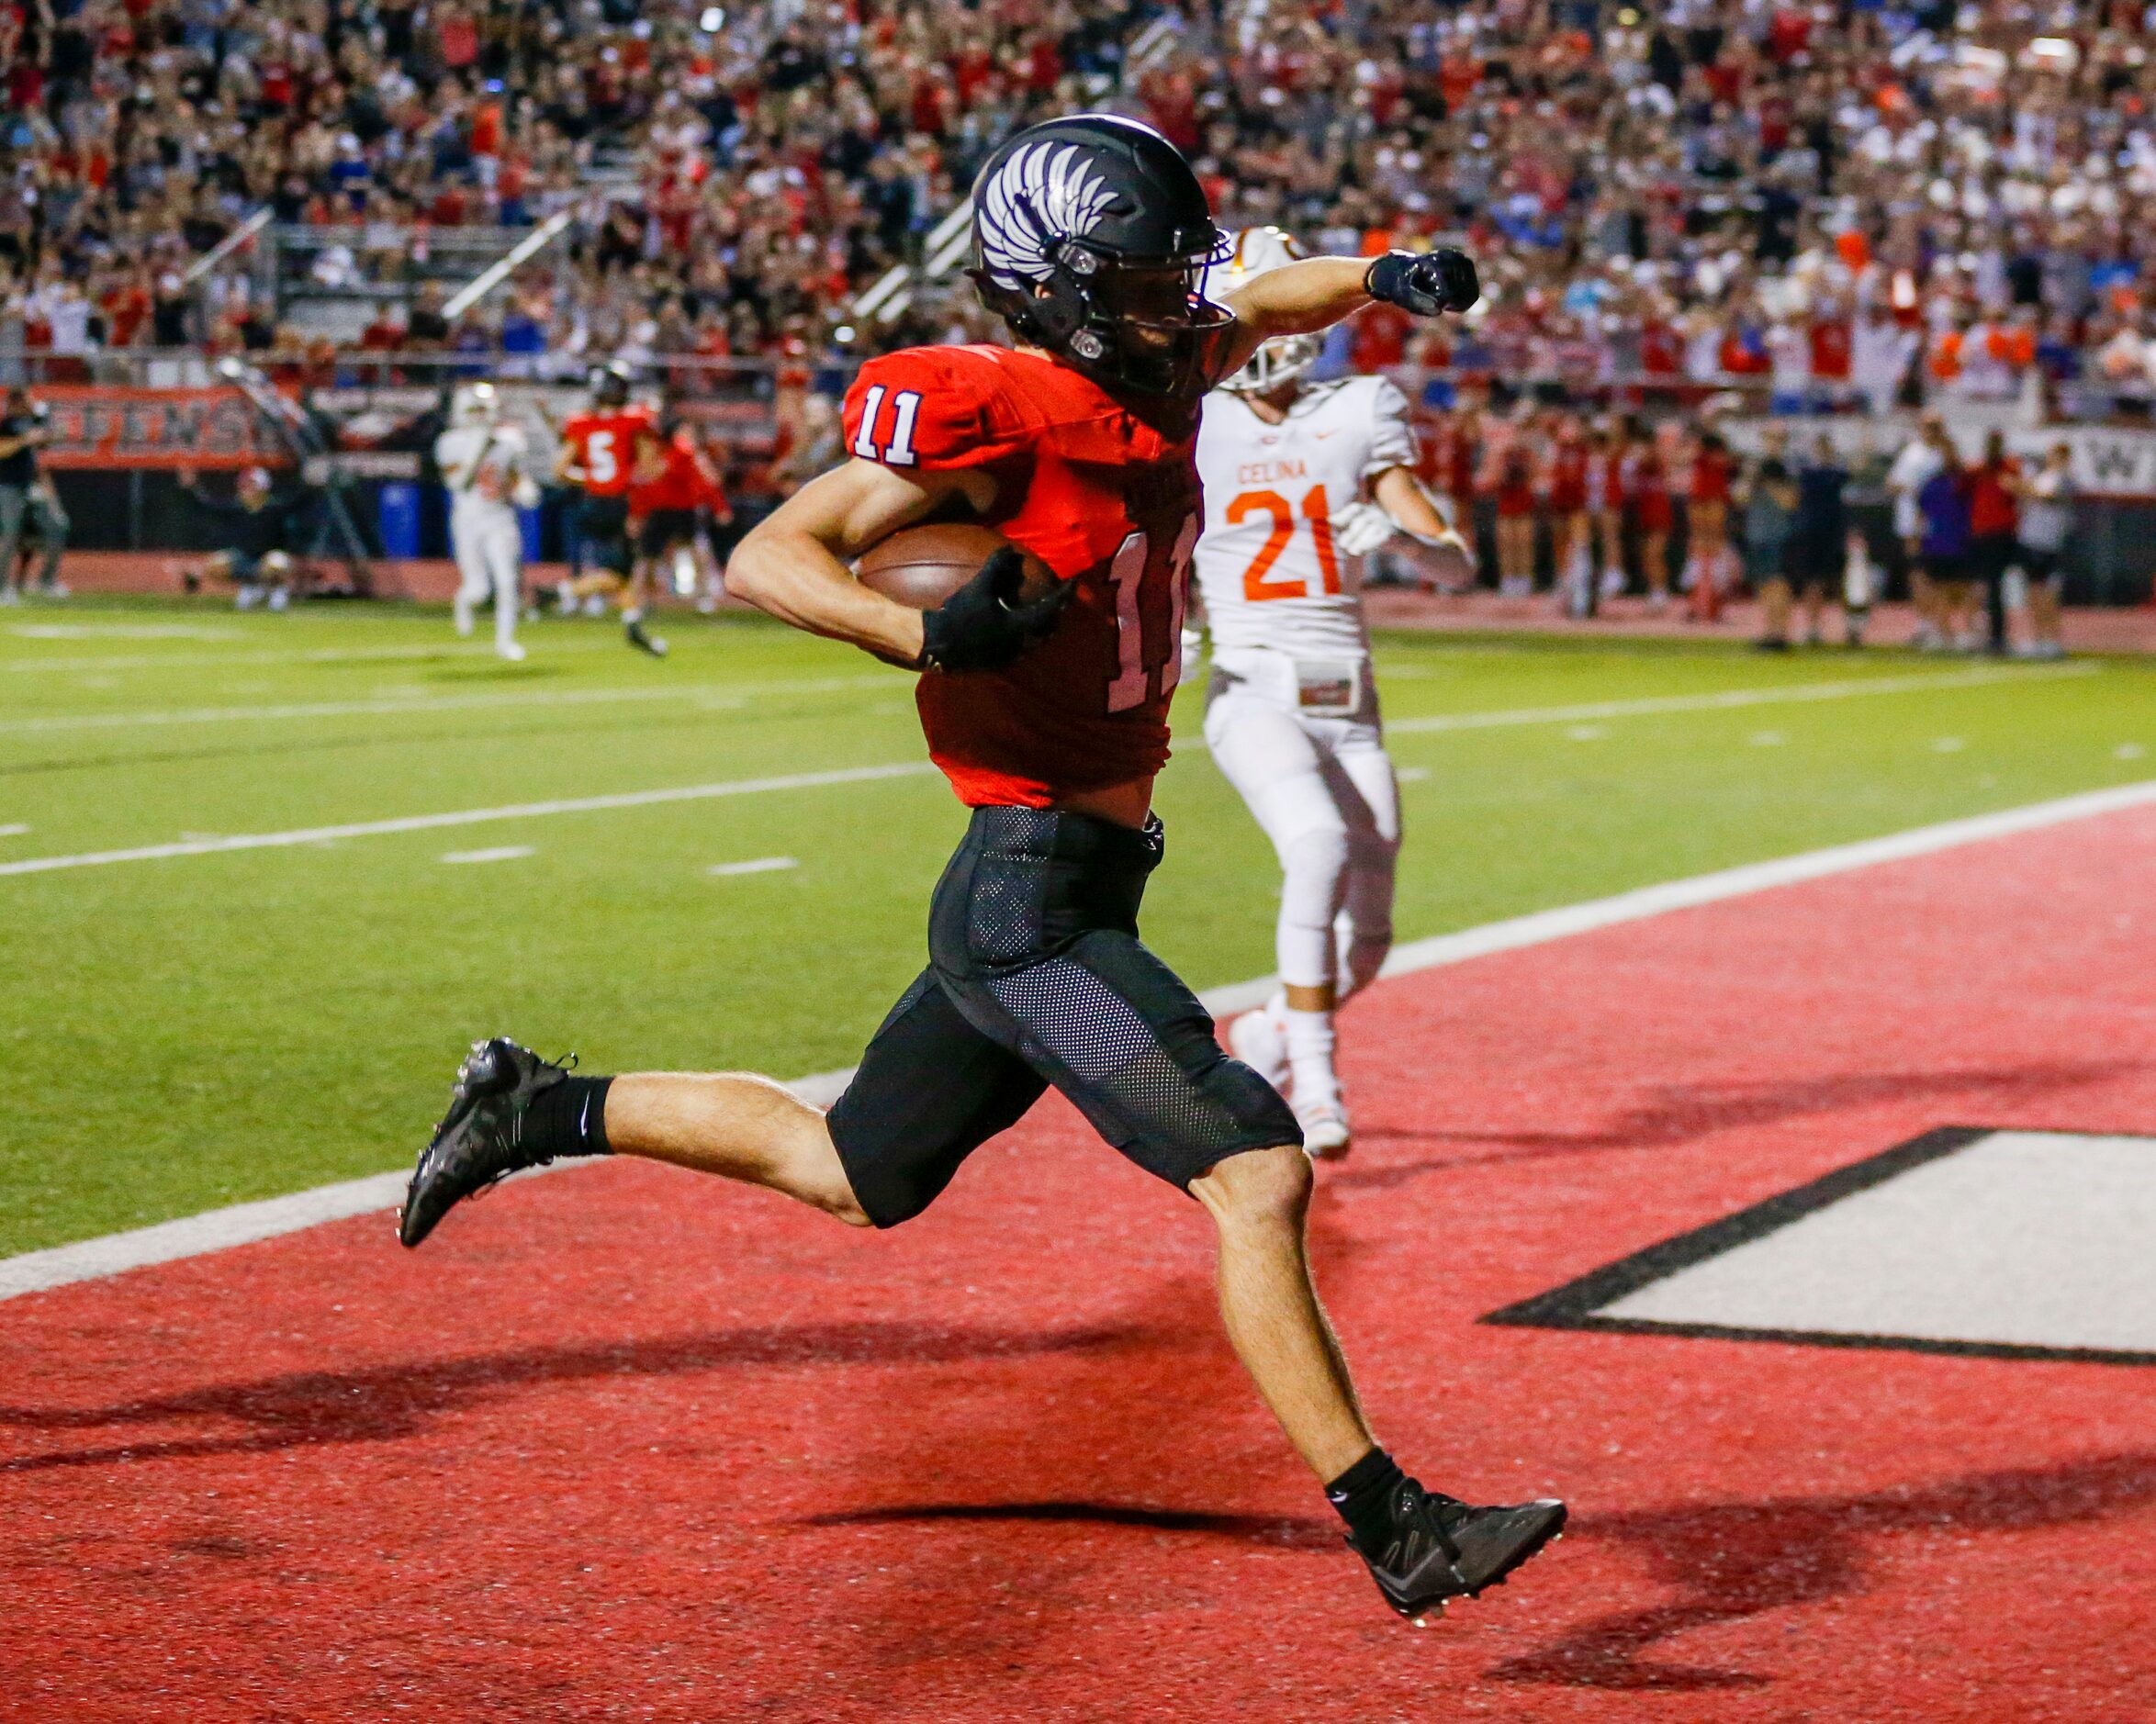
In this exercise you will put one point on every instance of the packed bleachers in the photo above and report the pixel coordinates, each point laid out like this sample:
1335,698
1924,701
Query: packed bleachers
1847,202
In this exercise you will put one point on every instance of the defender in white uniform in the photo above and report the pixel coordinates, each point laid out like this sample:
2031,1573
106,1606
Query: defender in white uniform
487,466
1301,482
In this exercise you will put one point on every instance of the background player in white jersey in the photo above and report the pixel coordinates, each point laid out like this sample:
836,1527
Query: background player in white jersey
487,466
1291,711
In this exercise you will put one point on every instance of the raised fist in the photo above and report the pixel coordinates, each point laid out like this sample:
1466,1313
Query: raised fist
1425,283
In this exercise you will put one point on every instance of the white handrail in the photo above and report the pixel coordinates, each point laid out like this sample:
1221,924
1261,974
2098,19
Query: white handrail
225,247
496,272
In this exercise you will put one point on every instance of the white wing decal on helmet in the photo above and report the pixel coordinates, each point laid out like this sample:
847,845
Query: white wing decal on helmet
1044,192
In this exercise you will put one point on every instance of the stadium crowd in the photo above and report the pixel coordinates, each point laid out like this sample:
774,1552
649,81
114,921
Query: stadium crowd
1848,201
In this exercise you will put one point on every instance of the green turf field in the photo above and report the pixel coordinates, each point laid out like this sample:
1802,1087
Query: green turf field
199,1029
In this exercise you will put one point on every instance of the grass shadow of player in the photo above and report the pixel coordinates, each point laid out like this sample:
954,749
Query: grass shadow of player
1730,1561
1672,1115
452,673
391,1402
1269,1531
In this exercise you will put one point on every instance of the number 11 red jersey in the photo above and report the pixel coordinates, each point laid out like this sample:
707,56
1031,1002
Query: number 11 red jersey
1100,496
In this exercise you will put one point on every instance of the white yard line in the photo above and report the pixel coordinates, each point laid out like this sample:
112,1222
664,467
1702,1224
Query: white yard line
696,693
241,1223
445,648
501,853
758,865
466,817
1771,695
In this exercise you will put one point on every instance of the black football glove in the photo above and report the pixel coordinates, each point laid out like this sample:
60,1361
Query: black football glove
984,625
1426,282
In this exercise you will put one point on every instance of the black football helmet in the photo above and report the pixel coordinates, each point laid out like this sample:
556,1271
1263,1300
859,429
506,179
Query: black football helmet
1091,239
609,385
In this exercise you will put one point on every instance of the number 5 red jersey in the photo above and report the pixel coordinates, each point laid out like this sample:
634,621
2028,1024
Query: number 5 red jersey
603,445
1104,499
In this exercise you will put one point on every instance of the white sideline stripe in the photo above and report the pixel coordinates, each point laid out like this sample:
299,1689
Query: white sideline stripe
90,1260
700,693
1768,695
501,853
760,865
467,817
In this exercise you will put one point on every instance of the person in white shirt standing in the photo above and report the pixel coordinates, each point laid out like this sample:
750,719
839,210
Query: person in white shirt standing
1913,469
486,465
1291,709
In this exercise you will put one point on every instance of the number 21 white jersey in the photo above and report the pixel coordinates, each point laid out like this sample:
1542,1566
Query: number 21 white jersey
1266,566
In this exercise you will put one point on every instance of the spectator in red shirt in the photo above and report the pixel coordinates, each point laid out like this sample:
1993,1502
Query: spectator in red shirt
1831,345
1995,515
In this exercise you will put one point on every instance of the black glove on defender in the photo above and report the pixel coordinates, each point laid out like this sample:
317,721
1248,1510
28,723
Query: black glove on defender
983,626
1426,282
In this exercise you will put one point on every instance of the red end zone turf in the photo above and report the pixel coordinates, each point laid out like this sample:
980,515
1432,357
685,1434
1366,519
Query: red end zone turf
618,1444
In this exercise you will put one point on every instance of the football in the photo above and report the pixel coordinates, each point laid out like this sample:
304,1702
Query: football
922,566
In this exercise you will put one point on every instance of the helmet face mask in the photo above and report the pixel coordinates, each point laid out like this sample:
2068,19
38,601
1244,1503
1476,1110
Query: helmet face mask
1092,239
1275,363
1251,254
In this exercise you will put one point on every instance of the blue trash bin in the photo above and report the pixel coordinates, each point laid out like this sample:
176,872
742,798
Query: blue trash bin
528,526
400,514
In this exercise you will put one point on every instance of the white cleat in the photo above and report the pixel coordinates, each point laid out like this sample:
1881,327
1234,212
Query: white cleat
1255,1039
1326,1136
511,650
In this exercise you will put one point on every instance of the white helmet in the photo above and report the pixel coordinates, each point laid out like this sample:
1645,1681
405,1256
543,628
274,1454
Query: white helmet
1251,254
476,404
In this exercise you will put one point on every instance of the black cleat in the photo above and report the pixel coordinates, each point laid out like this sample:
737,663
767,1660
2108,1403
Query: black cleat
643,642
481,1139
1442,1548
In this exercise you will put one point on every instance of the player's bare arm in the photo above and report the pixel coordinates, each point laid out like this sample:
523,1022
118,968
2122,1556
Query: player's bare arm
1401,496
793,564
1314,294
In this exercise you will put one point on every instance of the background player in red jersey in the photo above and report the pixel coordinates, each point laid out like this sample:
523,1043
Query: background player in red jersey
598,454
1049,717
671,487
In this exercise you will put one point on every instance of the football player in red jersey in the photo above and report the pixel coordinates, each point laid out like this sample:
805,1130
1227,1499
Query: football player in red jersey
1050,716
598,453
671,486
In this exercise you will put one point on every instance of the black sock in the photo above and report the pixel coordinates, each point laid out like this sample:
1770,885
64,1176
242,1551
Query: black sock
1363,1495
569,1119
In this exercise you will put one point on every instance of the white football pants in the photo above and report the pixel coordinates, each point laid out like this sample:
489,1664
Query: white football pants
490,559
1324,792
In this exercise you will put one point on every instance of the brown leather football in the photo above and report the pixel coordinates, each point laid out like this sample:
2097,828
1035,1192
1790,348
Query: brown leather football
922,566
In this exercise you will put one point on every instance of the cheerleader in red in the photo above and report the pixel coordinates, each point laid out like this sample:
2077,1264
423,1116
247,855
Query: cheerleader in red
1510,471
1646,491
1707,558
1569,524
